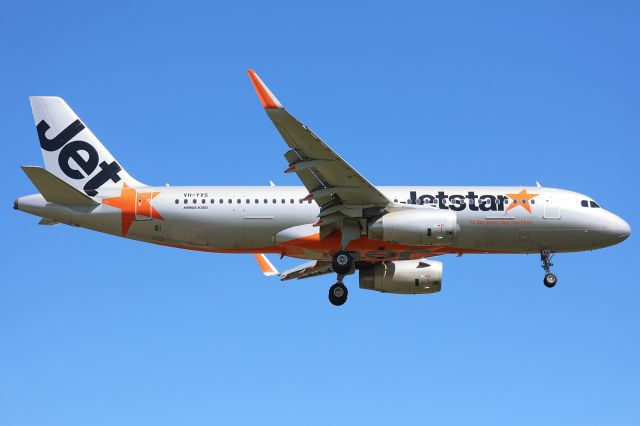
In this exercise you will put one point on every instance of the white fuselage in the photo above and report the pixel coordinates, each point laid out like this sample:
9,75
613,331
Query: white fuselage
246,219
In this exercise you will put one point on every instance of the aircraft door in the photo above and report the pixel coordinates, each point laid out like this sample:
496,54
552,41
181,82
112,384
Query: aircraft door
551,208
143,205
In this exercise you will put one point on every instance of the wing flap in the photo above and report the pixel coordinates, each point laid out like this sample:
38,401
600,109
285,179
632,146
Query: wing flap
307,270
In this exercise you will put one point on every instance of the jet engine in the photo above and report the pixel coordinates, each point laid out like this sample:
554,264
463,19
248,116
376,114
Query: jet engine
402,277
415,227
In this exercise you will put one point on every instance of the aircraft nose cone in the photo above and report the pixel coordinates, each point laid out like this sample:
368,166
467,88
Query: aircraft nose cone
621,228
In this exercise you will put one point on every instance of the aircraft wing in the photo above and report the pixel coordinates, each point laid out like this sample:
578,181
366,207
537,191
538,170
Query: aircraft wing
306,270
338,188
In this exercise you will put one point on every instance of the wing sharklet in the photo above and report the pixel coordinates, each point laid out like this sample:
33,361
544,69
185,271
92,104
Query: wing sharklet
268,99
266,266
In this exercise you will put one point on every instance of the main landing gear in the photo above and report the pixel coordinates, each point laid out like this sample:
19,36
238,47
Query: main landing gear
338,293
342,264
550,279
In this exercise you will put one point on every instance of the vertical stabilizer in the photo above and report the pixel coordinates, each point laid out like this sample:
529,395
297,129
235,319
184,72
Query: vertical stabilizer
72,152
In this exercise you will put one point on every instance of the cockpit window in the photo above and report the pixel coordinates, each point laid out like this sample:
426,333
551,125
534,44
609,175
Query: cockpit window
584,203
594,204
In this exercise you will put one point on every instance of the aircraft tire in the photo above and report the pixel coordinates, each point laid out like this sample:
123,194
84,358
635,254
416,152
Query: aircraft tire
550,280
338,294
342,262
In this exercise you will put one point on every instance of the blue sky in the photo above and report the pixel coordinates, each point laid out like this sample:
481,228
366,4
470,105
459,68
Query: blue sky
102,331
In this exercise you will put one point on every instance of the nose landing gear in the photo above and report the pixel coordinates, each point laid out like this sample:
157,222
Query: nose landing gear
550,279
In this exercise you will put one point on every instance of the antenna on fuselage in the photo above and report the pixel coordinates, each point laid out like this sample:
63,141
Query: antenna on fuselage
271,183
538,184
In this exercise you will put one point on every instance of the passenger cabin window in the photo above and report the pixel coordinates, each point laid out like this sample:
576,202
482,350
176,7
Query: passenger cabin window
584,203
265,201
213,201
177,201
594,204
186,201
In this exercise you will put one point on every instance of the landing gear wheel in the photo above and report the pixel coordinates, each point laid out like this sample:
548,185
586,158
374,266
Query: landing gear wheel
338,294
550,280
342,262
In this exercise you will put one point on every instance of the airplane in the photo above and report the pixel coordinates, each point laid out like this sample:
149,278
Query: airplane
337,220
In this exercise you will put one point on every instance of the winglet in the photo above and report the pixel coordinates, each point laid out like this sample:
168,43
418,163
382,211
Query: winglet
266,267
268,100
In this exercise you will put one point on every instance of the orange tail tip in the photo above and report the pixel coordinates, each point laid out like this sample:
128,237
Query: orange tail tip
265,266
268,100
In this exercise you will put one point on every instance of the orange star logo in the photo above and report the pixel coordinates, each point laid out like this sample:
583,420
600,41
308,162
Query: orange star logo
522,199
132,203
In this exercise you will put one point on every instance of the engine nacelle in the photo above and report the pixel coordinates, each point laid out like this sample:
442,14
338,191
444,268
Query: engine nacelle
419,226
403,277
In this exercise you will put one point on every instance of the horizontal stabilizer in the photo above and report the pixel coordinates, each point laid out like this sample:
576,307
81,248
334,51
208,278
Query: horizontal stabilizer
55,190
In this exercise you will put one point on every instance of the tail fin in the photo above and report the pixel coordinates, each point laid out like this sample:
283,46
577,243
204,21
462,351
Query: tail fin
72,152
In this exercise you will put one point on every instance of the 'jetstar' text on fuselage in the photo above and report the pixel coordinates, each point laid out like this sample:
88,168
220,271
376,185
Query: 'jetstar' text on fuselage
459,202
